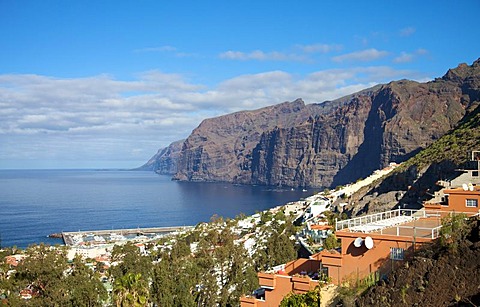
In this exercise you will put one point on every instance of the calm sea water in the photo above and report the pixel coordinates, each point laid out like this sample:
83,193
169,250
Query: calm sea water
35,203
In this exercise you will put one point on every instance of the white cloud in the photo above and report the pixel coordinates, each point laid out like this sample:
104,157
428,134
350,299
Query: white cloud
363,55
157,49
421,51
167,50
405,57
301,53
320,48
101,118
262,56
408,31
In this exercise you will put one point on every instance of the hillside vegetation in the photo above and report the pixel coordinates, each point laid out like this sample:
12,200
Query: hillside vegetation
443,274
415,180
454,146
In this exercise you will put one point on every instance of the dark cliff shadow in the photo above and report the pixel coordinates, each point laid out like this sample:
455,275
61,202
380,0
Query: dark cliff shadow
369,153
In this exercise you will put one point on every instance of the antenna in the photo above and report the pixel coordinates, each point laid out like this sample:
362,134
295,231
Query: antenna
369,242
465,187
358,242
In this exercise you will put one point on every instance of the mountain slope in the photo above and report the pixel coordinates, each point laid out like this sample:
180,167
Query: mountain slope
438,276
164,162
324,145
415,180
220,149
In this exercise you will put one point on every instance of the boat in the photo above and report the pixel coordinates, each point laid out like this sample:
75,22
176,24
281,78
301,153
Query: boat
116,237
99,239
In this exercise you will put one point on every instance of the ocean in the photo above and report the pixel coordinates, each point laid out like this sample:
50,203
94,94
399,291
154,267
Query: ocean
36,203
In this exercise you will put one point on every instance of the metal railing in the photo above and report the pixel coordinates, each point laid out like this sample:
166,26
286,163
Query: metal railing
415,231
373,222
372,218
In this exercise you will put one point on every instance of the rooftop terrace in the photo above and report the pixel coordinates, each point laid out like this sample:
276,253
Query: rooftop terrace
399,222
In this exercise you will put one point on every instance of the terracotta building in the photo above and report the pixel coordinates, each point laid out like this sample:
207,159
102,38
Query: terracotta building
464,199
14,260
297,276
372,244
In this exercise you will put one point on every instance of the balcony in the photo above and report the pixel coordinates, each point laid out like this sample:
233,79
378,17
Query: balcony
400,222
248,301
303,284
267,280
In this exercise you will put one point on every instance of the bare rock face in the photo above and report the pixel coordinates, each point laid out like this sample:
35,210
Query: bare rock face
220,149
164,162
312,152
324,145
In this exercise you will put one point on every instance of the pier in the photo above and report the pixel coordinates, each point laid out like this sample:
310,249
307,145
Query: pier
68,237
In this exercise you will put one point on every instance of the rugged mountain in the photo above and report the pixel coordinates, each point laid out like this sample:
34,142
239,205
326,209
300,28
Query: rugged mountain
415,180
332,143
220,149
164,162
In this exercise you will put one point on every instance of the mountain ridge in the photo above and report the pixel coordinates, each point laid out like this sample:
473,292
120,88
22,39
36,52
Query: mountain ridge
327,144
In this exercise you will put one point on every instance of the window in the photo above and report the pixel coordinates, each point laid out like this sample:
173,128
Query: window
472,203
444,201
397,253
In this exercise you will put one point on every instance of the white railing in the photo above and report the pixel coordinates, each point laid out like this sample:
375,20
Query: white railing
394,219
414,231
373,218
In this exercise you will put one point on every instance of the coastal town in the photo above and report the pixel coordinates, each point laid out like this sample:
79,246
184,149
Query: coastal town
333,250
239,153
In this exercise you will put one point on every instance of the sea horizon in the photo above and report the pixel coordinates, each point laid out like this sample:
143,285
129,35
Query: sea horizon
38,202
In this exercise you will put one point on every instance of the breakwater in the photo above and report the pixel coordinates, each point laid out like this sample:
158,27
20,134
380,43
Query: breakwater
74,238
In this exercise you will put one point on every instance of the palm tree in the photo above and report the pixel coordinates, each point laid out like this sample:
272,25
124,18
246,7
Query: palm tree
130,290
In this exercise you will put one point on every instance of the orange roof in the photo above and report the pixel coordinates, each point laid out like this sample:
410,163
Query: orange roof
475,189
329,252
321,227
14,260
102,258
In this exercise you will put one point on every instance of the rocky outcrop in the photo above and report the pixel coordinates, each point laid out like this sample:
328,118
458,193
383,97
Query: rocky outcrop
220,149
164,162
324,145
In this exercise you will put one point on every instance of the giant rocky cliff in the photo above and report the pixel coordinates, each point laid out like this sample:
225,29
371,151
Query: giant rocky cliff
326,144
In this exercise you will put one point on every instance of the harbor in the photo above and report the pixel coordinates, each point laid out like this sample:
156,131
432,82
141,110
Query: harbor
92,237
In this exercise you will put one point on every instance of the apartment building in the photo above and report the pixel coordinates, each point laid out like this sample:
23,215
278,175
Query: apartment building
371,244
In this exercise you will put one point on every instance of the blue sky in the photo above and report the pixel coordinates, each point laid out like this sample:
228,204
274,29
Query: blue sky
101,84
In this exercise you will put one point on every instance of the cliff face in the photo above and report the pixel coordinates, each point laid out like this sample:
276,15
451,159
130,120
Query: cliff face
312,152
220,149
324,145
164,162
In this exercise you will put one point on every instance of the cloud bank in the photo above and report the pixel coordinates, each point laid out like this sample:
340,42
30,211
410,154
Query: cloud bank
362,56
301,53
100,118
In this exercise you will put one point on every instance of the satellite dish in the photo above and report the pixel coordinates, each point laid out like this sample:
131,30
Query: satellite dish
369,242
465,187
358,242
470,186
